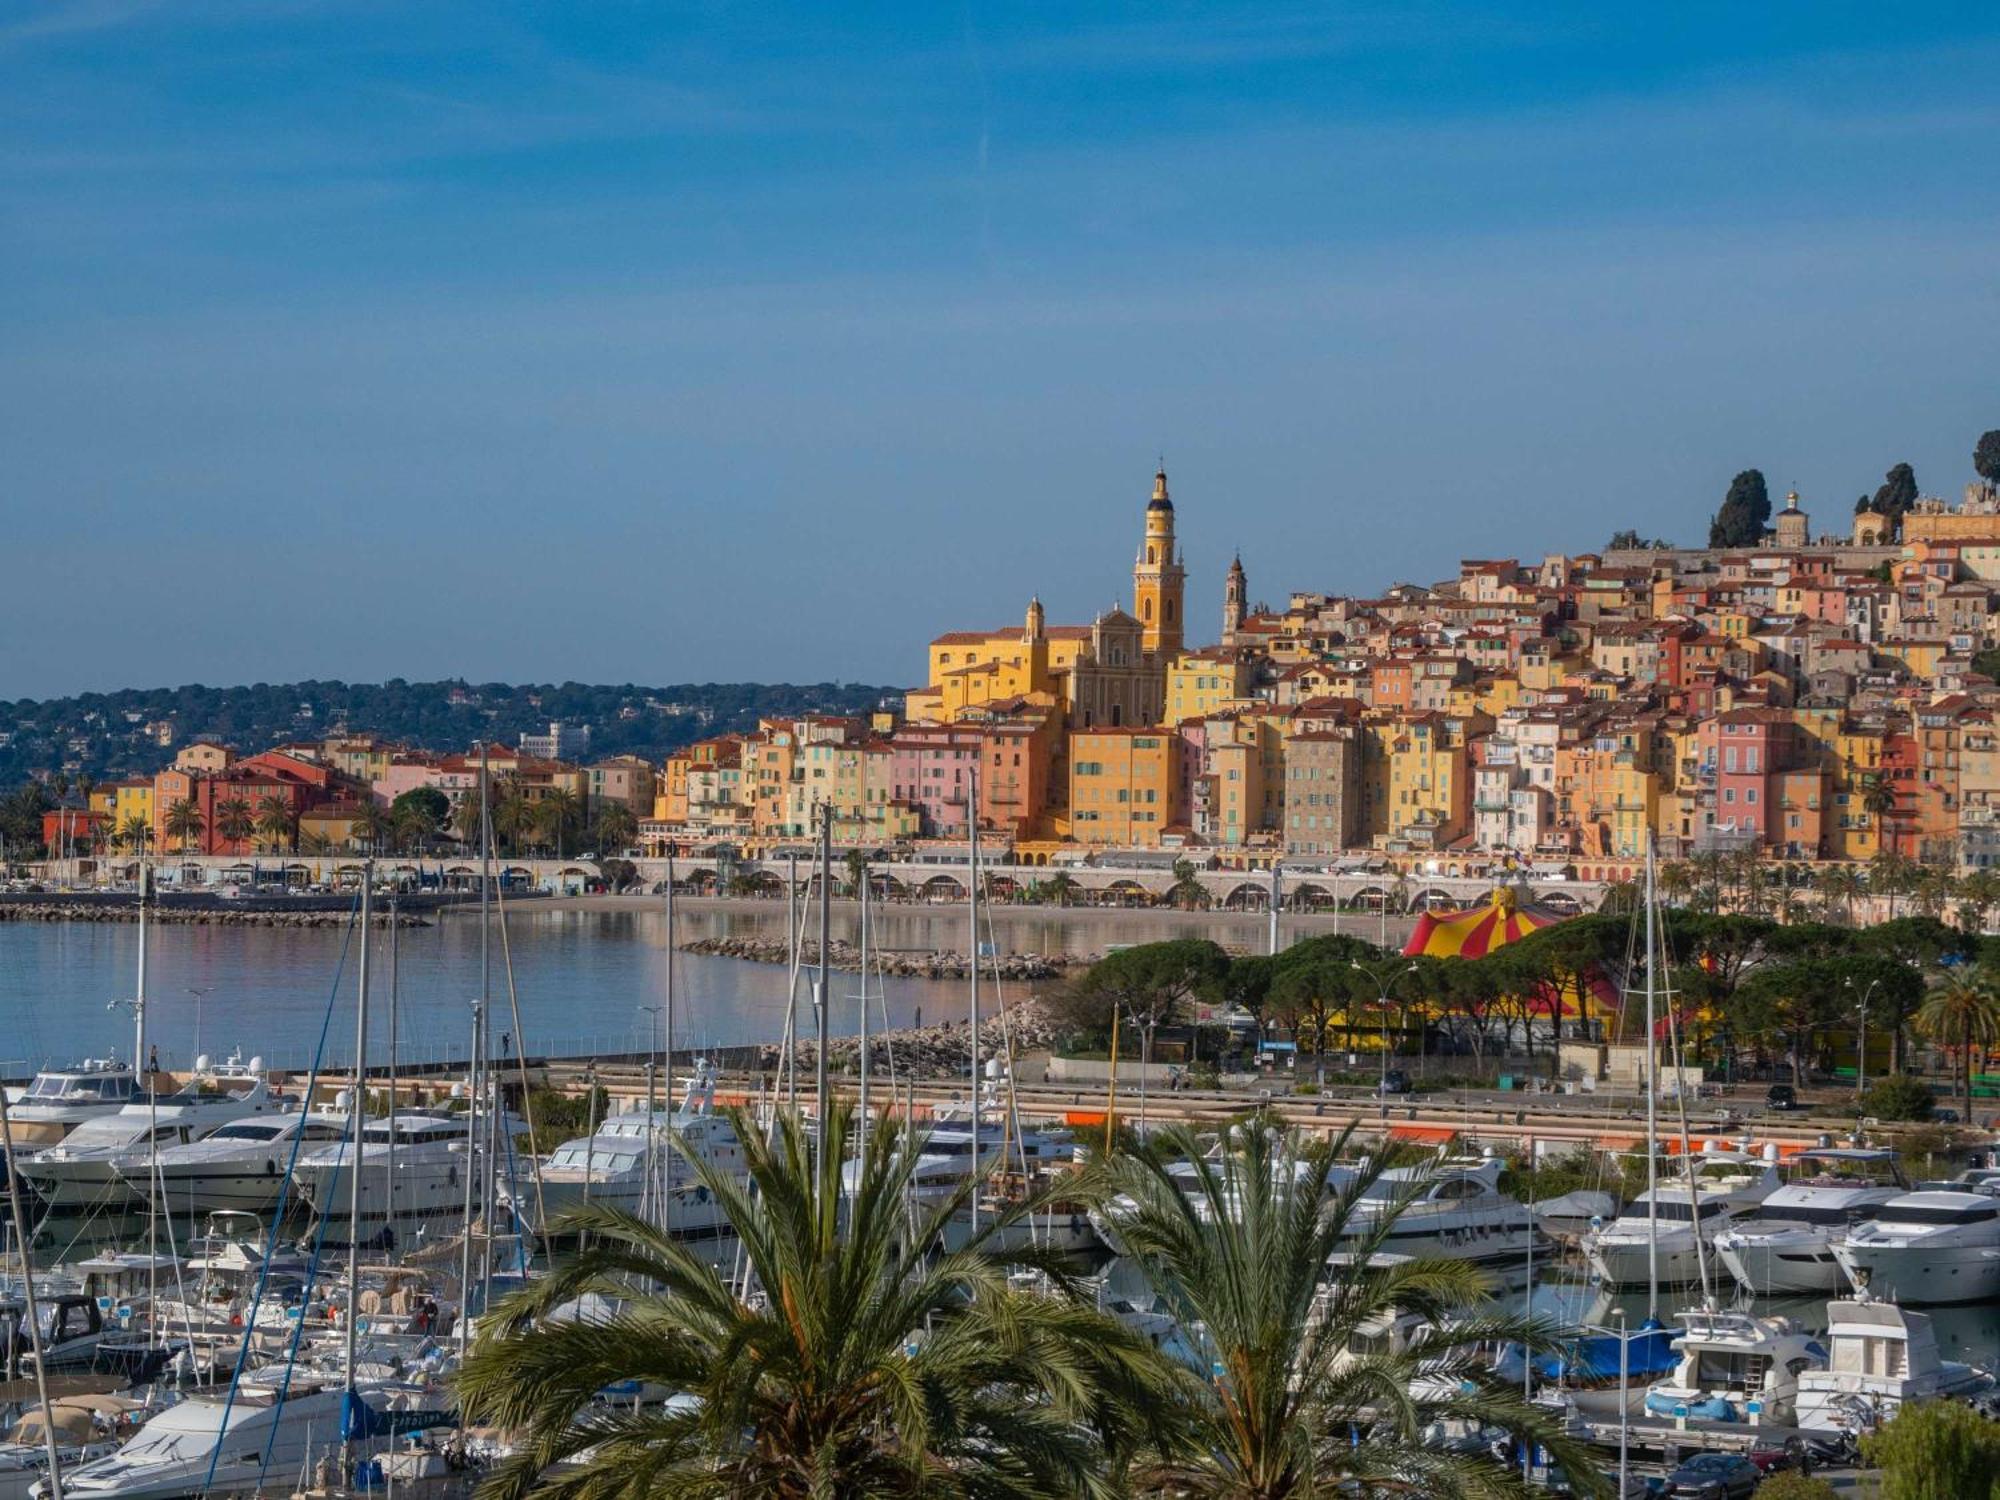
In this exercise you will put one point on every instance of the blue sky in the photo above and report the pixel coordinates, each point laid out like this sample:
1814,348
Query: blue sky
668,342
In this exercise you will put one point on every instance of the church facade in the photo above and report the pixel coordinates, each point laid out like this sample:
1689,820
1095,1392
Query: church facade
1111,673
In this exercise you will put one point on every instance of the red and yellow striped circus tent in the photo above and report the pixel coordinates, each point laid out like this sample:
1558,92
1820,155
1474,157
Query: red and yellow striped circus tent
1477,930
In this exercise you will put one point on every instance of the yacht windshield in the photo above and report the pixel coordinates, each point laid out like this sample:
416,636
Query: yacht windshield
247,1131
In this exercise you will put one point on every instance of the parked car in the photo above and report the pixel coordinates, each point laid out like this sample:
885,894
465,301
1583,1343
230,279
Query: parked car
1395,1081
1781,1097
1714,1476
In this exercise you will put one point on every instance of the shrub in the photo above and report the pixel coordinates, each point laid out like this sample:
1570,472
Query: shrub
1935,1450
1790,1484
1899,1097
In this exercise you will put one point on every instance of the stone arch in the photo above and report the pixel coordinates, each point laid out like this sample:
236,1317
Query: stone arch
1248,895
1369,898
1310,895
1565,902
942,888
1434,898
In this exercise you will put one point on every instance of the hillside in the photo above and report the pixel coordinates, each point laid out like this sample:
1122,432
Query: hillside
136,731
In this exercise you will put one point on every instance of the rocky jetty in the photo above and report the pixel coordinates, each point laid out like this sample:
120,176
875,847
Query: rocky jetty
940,964
941,1051
189,916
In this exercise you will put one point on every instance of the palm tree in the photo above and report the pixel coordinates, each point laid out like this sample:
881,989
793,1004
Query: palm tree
1963,1013
558,814
370,825
1677,882
1978,894
1878,797
312,841
616,828
1188,892
866,1365
513,816
465,818
1930,890
136,833
1888,875
274,821
1061,885
234,821
1841,883
1247,1255
184,821
1708,871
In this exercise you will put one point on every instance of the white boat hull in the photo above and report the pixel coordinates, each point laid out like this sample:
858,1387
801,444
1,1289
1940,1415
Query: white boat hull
1790,1262
1620,1261
1923,1273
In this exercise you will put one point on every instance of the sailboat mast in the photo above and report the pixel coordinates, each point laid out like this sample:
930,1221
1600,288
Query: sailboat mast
667,1018
862,1107
154,1197
1648,1074
819,983
358,1115
472,1070
395,985
21,1240
972,960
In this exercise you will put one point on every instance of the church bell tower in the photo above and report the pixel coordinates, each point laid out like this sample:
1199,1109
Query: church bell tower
1235,589
1158,579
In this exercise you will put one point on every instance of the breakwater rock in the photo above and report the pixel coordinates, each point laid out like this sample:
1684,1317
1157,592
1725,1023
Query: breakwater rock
940,964
186,916
941,1051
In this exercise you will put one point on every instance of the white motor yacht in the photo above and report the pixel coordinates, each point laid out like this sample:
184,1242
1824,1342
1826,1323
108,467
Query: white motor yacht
236,1167
1726,1186
60,1099
86,1168
1939,1244
423,1195
1879,1355
1785,1245
1452,1209
1736,1368
630,1162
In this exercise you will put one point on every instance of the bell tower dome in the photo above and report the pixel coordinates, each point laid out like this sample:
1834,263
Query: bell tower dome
1235,589
1158,579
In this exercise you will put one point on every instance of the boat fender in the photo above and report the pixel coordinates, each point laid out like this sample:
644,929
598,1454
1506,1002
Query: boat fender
270,1167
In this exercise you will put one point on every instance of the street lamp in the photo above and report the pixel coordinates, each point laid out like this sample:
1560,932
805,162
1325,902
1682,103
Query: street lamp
1861,1051
1382,987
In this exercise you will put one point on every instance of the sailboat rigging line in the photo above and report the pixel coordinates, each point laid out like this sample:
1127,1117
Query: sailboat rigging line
521,1067
1013,1114
1687,1155
278,1208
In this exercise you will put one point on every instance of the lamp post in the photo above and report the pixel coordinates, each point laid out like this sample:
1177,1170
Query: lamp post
1382,987
1861,1049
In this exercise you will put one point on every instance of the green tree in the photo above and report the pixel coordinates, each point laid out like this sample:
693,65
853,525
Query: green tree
1935,1450
1746,510
1188,892
1790,1484
371,825
558,815
1986,456
616,829
185,821
1060,887
1897,494
1963,1014
274,822
1145,986
136,832
1291,1407
857,871
234,821
868,1365
421,813
1898,1097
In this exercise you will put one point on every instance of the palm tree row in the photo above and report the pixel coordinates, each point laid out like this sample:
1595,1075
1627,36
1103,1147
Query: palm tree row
1743,881
863,1360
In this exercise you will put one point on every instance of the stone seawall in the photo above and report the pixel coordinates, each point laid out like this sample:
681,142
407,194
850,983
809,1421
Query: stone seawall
942,1051
941,964
186,916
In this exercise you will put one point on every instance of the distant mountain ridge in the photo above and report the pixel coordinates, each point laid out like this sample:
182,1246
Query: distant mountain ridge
103,735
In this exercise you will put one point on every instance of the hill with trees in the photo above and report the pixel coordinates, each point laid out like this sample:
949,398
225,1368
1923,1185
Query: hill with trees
136,731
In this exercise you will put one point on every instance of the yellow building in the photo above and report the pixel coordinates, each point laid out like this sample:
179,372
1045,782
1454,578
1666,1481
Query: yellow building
1200,683
1112,671
1159,582
1126,786
129,800
1429,782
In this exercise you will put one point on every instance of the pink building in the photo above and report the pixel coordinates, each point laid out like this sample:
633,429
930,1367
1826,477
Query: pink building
932,771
